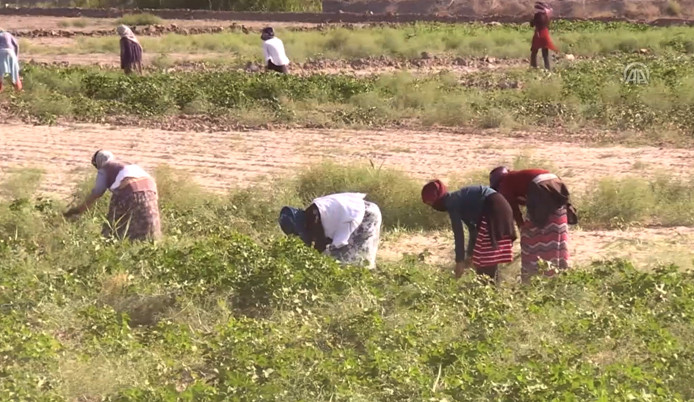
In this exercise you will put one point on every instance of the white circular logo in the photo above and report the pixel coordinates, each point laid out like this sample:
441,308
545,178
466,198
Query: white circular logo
636,73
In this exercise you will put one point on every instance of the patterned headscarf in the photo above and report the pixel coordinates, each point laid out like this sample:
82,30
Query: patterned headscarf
293,222
127,33
101,157
496,175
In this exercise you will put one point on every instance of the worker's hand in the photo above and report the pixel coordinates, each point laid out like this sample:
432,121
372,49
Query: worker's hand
461,266
71,212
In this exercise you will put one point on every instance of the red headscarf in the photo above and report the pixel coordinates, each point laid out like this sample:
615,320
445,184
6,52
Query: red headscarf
433,191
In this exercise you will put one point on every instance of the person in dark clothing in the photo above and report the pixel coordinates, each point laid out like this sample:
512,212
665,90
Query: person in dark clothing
130,51
541,39
488,218
545,234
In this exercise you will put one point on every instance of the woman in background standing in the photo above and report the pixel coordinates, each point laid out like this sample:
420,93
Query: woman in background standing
130,51
9,59
541,39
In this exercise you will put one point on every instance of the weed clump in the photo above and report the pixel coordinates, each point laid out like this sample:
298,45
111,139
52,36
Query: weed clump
139,19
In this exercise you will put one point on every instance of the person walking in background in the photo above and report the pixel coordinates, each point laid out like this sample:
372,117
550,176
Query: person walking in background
9,59
343,226
545,235
134,208
488,218
130,51
541,39
273,51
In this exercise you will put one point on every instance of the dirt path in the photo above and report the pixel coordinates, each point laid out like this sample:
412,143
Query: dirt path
646,247
222,160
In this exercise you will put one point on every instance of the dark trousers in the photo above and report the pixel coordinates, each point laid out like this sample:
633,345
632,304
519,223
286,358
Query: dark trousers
280,69
545,57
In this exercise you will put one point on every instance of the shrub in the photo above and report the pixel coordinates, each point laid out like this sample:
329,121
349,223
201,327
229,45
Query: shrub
673,8
397,195
139,19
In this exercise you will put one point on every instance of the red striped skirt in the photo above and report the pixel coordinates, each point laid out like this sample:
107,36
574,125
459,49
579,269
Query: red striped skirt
542,40
549,243
484,254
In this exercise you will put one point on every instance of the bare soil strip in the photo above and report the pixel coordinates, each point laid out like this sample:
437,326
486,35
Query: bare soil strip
221,160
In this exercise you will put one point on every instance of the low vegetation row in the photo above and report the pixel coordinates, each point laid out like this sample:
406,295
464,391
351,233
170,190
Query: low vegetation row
582,39
585,93
209,314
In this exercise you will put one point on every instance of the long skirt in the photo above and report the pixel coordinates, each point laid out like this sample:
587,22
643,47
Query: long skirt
542,40
549,243
485,254
9,65
363,243
134,215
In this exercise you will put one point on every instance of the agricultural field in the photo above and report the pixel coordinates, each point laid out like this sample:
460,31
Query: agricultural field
225,307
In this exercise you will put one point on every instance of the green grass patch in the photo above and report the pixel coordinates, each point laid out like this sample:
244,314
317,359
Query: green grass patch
210,314
588,39
139,19
585,93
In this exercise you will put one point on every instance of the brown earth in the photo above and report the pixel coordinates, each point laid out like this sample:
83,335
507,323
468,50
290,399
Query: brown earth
222,160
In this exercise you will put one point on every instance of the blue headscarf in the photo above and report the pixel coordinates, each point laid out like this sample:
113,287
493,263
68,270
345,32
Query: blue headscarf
293,222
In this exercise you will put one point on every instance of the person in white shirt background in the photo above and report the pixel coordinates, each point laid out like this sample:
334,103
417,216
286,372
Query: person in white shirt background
343,226
273,50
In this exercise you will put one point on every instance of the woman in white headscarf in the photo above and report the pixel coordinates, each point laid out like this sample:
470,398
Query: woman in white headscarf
9,59
134,208
345,227
130,51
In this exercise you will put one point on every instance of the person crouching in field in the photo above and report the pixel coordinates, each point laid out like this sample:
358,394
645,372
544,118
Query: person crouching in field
545,235
488,218
541,39
273,51
130,51
343,226
134,208
9,59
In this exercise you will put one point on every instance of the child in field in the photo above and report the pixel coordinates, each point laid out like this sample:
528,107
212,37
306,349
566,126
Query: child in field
541,38
130,51
273,50
9,59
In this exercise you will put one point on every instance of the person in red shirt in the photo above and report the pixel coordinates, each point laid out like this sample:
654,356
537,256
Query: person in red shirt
545,234
541,39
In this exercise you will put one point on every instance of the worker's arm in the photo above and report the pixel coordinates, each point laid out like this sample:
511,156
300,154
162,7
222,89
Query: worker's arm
100,187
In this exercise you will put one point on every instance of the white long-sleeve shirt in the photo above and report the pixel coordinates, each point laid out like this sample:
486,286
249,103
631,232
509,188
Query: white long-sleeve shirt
273,50
341,214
